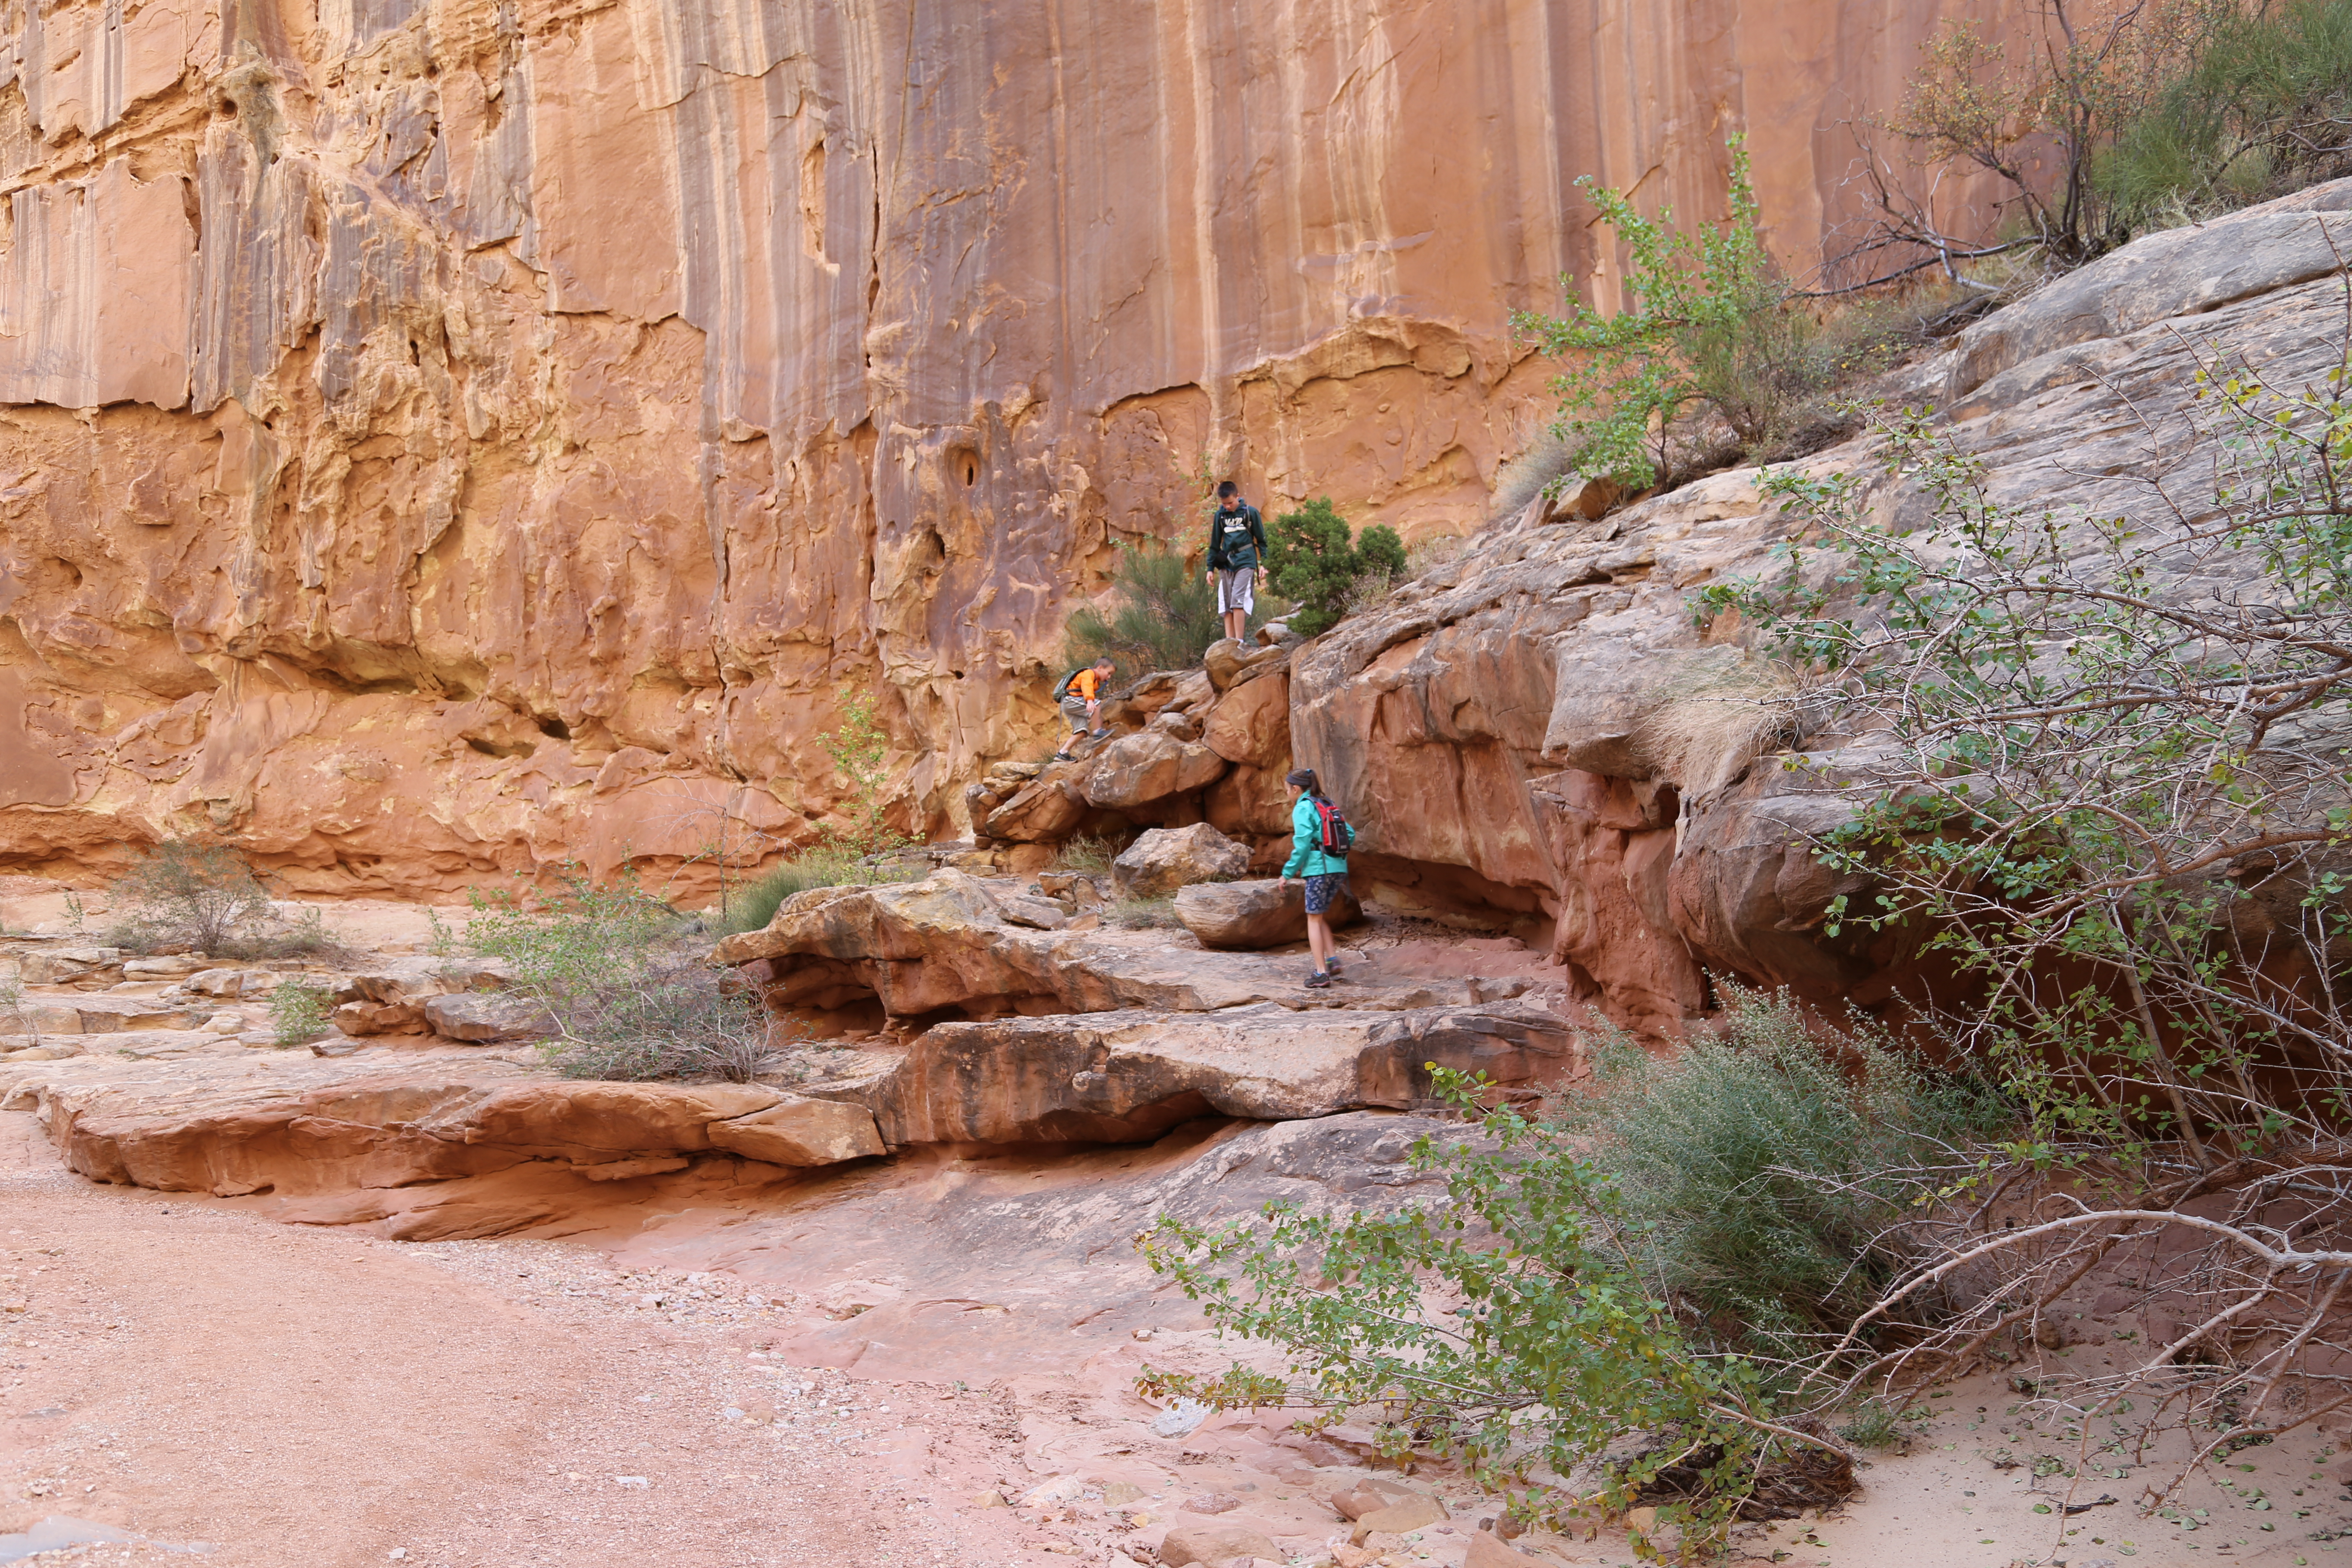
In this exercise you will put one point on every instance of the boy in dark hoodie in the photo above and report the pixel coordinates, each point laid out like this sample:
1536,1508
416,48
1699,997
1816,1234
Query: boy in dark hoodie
1237,545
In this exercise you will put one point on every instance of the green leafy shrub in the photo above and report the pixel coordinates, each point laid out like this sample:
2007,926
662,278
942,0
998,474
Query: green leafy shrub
2265,106
860,751
2077,761
299,1012
2106,793
1311,558
868,852
623,976
1164,616
1707,320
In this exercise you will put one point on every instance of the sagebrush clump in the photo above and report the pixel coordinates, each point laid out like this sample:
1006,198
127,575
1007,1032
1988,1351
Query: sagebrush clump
753,904
1089,855
1163,616
1764,1167
623,977
190,896
2262,107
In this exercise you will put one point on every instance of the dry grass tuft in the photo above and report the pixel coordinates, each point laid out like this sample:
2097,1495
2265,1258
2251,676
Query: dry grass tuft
1717,718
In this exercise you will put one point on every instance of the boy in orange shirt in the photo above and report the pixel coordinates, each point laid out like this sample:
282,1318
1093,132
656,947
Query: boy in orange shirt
1082,703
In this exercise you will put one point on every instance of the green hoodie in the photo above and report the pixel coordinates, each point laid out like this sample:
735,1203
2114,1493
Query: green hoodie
1237,539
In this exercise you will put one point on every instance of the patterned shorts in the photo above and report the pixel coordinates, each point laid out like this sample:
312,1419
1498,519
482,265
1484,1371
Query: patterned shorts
1321,890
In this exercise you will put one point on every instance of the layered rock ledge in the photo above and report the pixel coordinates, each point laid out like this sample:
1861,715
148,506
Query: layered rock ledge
944,943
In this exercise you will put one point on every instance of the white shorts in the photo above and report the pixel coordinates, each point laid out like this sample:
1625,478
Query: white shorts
1234,590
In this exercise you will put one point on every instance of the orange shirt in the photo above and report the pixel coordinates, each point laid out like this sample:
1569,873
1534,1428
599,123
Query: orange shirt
1083,685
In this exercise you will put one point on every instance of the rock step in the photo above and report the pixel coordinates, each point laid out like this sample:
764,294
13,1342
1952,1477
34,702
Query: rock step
945,943
1128,1076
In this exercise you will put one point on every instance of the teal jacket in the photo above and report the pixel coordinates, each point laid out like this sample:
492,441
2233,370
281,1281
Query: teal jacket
1307,856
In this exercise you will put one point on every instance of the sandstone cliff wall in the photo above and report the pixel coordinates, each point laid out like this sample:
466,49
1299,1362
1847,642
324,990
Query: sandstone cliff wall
445,437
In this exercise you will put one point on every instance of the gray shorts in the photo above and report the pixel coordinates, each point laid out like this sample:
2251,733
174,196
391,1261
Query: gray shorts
1074,709
1234,590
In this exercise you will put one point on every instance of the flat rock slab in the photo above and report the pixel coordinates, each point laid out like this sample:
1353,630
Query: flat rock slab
297,1124
944,942
101,1014
1127,1077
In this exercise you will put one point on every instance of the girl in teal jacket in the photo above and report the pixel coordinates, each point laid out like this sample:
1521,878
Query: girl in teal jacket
1326,873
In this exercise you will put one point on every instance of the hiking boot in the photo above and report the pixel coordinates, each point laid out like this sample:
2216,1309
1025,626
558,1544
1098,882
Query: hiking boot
1316,980
1064,757
1334,964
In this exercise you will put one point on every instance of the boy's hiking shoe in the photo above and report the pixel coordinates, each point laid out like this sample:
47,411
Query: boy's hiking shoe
1317,979
1064,757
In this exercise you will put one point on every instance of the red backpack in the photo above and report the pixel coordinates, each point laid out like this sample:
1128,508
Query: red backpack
1334,835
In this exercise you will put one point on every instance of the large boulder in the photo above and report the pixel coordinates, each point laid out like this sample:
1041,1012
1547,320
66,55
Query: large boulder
63,965
396,981
1252,722
1146,766
2184,271
1221,661
364,1019
1228,662
1165,859
1267,912
1613,841
477,1015
1048,807
1252,801
42,1017
797,1130
87,1014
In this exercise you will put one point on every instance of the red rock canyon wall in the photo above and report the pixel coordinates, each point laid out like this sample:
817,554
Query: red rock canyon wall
439,438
